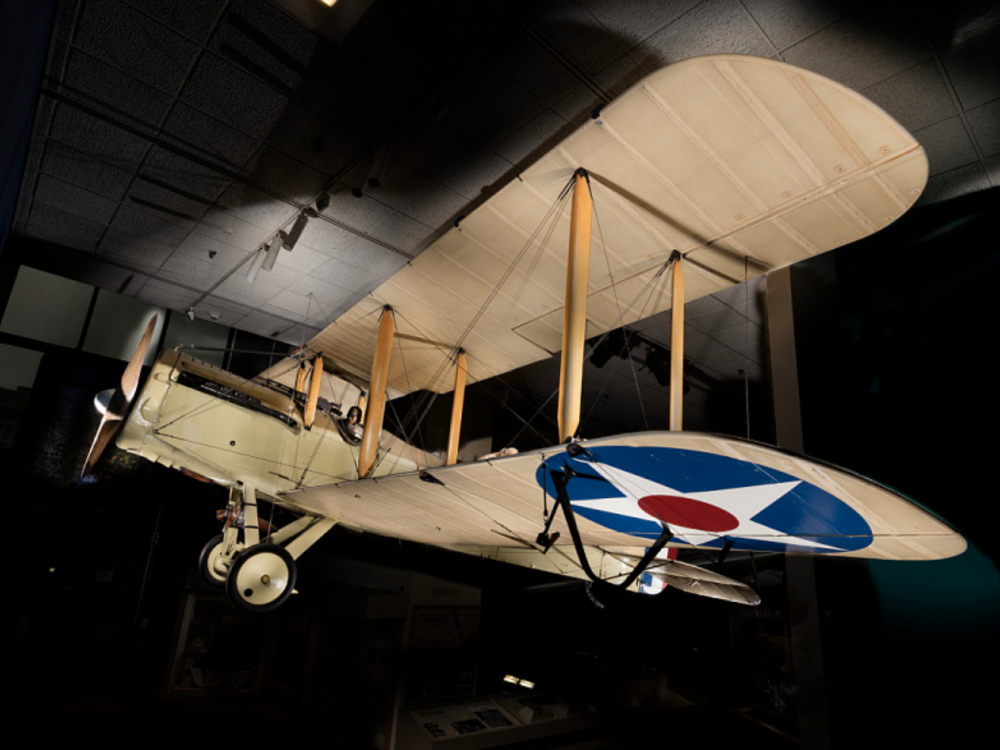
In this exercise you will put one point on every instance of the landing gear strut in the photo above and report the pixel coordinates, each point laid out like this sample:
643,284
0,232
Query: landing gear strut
257,575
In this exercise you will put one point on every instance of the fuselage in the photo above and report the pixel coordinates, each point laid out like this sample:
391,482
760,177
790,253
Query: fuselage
215,425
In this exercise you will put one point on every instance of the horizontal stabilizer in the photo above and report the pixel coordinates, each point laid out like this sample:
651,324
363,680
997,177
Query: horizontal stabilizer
702,582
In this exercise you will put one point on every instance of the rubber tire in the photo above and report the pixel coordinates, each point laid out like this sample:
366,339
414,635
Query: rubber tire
208,574
245,586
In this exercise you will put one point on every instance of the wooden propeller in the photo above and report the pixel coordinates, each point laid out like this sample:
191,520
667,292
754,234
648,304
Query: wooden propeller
117,408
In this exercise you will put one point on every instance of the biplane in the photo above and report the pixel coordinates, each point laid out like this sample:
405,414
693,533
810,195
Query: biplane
703,174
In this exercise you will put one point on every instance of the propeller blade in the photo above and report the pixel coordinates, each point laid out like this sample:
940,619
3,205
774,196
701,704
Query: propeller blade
117,408
110,424
130,378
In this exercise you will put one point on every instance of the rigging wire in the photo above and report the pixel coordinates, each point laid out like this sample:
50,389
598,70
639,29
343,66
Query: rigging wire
547,223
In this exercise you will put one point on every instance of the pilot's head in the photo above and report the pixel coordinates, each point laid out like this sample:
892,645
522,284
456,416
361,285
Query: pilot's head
354,415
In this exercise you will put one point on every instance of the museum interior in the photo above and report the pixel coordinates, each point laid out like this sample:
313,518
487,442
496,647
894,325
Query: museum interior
158,157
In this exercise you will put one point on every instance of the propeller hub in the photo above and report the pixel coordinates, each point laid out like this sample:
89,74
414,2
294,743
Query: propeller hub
102,399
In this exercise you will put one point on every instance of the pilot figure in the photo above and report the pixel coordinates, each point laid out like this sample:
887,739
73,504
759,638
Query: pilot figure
354,421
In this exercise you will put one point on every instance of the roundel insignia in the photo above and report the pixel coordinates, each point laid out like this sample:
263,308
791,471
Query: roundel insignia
705,499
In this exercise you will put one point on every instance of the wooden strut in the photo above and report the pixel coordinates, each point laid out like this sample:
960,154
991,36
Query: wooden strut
575,313
309,415
677,345
300,379
457,404
376,395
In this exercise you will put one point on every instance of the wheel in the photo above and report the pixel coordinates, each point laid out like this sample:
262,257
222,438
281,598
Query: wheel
210,565
210,562
261,578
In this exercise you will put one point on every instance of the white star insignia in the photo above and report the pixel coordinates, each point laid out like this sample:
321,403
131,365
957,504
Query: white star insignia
743,503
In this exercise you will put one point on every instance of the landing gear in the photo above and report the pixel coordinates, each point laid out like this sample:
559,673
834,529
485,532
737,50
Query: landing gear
258,575
261,578
216,558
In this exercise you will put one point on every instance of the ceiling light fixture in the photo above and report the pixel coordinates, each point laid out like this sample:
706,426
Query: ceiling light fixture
295,232
256,264
380,162
272,252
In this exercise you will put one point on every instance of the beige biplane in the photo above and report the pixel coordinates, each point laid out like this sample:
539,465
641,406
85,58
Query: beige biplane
705,172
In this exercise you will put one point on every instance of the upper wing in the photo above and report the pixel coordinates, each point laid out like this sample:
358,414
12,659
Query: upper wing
743,164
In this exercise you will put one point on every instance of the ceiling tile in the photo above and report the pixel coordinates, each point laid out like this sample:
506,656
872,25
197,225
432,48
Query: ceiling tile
489,103
360,214
351,95
974,69
947,145
222,311
253,206
536,68
97,137
862,49
187,178
284,176
228,93
147,224
968,179
222,226
134,253
985,124
167,295
635,21
192,18
316,142
437,207
577,35
132,42
74,200
206,137
164,201
118,96
403,232
268,44
346,275
324,299
916,97
60,227
786,23
83,170
710,28
953,23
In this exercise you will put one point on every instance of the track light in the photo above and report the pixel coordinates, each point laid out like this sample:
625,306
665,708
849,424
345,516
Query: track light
273,248
256,264
379,164
293,235
189,315
618,343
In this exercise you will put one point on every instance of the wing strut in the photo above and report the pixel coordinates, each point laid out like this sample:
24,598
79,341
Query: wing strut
376,406
575,314
457,404
677,344
309,416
